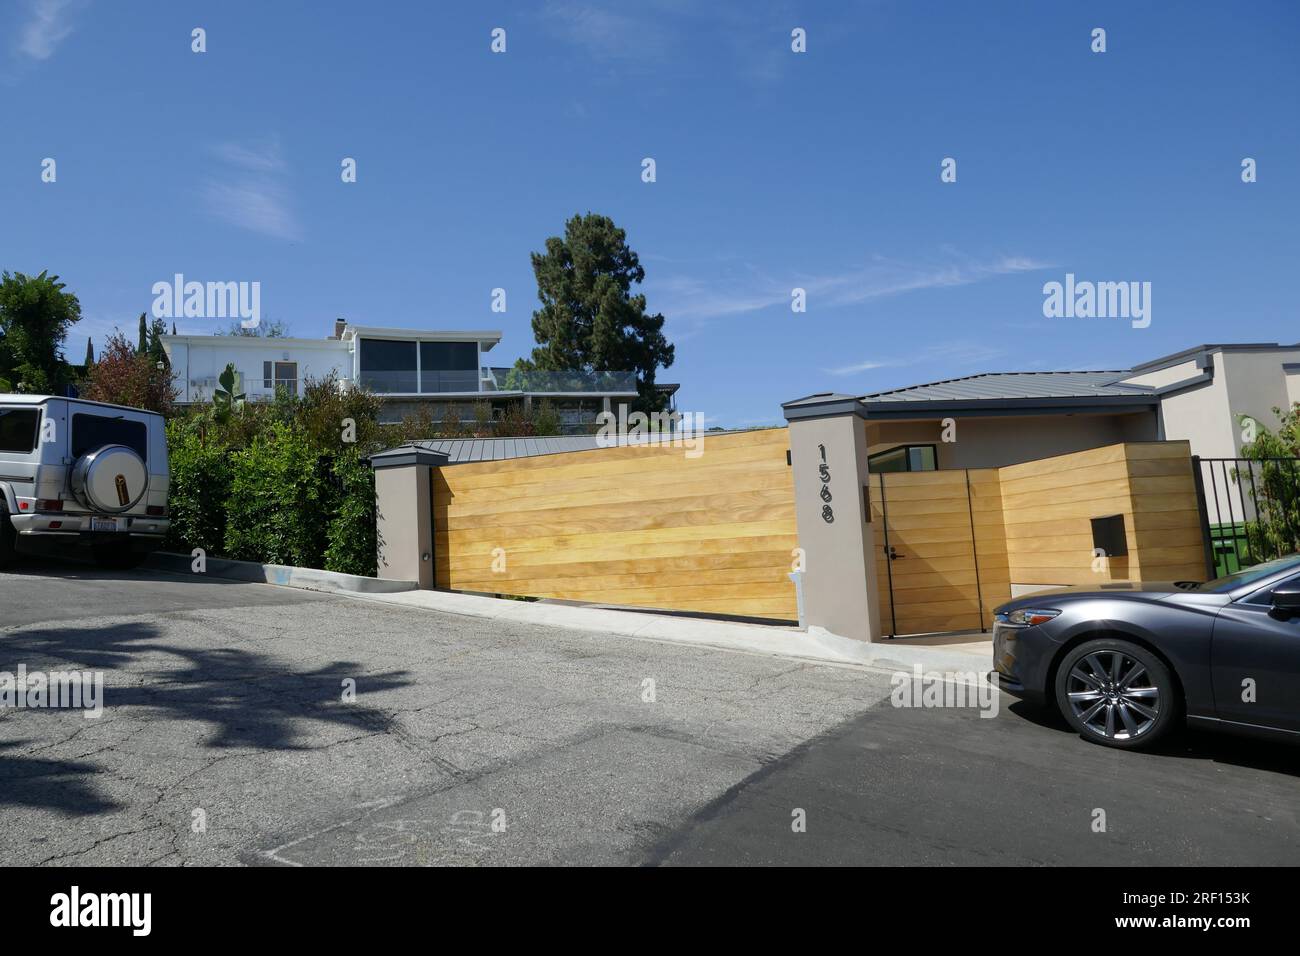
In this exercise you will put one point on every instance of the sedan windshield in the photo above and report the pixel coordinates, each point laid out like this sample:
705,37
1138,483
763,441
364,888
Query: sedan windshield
1230,582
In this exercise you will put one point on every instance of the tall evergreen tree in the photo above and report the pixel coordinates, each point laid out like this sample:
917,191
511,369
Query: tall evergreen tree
157,329
143,341
589,319
90,352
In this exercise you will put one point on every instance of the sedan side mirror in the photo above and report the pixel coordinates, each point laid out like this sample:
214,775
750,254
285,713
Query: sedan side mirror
1287,598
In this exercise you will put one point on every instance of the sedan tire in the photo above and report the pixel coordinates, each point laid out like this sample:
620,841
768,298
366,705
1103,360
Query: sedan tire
1117,693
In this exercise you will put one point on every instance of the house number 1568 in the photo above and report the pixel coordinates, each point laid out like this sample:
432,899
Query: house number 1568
824,472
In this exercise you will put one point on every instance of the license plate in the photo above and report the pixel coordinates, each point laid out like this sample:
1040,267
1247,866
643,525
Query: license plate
103,524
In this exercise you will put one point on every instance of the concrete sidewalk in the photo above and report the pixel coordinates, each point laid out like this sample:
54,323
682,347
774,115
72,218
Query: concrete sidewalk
952,653
949,654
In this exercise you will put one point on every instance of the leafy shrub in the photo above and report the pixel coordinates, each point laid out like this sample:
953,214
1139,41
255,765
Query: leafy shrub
351,532
1273,486
274,510
123,376
200,485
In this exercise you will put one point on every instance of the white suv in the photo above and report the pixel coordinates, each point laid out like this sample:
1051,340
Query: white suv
74,472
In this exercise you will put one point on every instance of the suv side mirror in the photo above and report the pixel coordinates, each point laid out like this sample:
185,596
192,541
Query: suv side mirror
1286,597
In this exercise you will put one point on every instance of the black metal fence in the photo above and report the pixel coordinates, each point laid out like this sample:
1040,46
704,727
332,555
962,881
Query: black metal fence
1250,510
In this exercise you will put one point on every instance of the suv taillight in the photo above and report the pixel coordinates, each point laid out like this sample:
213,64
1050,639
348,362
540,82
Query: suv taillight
155,511
49,504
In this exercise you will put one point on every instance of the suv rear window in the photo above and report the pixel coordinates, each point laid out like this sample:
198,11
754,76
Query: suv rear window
18,428
92,432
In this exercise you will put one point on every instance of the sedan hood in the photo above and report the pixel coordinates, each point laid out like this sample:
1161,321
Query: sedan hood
1124,590
1162,587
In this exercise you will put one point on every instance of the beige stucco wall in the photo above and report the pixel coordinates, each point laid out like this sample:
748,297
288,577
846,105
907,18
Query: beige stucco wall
1166,376
404,524
1256,383
1293,387
1201,416
992,442
840,572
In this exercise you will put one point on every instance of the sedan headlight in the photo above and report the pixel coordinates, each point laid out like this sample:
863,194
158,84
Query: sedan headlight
1029,616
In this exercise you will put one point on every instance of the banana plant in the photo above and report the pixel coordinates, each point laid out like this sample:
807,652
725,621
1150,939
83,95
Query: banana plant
225,399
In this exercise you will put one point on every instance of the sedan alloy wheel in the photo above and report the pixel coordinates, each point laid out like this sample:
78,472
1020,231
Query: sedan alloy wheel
1115,693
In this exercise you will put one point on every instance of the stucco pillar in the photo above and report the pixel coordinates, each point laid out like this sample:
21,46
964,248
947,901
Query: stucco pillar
404,513
828,452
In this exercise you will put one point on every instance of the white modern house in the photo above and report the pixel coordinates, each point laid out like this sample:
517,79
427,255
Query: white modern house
409,369
998,418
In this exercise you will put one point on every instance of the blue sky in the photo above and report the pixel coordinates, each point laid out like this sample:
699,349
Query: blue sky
775,170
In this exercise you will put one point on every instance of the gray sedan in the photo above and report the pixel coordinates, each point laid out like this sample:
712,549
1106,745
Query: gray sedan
1124,663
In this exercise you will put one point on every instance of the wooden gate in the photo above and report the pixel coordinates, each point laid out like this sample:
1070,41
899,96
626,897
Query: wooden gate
942,564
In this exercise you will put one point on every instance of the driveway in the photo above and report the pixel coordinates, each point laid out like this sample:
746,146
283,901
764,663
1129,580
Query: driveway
225,739
226,698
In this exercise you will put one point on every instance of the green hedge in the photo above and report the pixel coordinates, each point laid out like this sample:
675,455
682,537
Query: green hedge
277,501
200,484
351,531
280,500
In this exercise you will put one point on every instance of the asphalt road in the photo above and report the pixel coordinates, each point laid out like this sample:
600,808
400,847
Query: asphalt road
476,742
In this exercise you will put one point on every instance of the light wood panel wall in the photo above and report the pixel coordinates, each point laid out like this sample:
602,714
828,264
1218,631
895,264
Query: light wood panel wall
1030,524
1048,504
638,526
946,527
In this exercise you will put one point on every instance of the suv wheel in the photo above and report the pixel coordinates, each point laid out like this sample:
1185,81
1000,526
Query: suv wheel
1116,693
8,539
117,557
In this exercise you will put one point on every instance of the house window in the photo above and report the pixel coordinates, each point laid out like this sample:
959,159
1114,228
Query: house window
903,458
448,367
277,375
286,377
388,366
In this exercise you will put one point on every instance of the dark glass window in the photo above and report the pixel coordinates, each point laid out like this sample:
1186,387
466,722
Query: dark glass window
92,432
448,367
388,366
903,458
18,428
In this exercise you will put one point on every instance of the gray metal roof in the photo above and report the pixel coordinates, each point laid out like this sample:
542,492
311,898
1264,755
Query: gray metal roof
1013,385
460,450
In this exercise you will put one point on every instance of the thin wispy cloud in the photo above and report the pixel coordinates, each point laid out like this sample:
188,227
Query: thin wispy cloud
263,160
690,303
666,34
959,355
49,24
250,191
606,34
860,367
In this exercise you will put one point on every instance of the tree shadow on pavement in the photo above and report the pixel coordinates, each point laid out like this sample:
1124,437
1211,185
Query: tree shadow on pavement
252,700
61,785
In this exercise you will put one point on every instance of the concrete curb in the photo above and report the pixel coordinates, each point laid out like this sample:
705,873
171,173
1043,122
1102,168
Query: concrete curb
310,579
815,644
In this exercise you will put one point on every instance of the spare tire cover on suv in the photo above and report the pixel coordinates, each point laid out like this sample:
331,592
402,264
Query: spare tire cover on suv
112,478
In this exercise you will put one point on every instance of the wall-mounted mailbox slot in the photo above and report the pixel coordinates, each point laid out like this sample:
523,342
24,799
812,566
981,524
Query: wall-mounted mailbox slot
1108,536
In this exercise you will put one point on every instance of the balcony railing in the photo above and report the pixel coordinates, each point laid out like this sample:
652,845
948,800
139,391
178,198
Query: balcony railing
425,382
539,382
436,381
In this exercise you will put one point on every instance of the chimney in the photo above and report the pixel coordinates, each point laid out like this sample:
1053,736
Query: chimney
339,326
